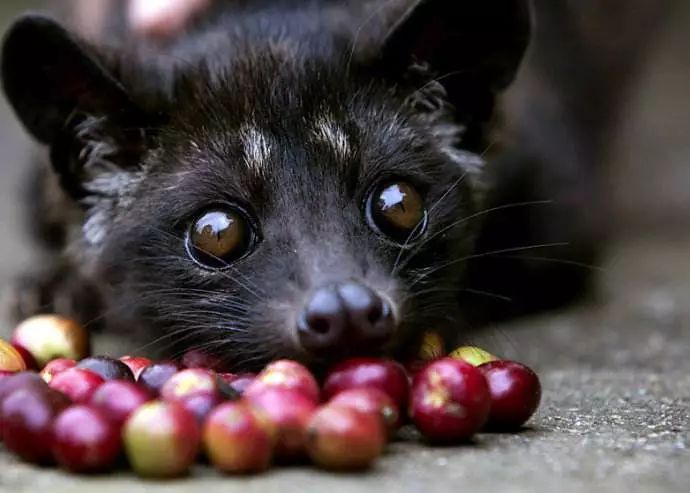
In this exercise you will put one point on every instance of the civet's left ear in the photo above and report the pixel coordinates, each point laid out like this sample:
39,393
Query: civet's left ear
473,47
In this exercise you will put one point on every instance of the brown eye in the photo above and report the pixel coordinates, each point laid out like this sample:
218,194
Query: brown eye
219,237
397,210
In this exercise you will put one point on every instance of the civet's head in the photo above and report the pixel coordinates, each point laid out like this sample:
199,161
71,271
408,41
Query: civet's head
276,187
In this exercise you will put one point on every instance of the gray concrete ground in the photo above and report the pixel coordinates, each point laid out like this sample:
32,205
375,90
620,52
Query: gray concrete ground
616,373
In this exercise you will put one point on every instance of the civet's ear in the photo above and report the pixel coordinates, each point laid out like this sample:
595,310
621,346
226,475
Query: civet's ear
68,100
473,47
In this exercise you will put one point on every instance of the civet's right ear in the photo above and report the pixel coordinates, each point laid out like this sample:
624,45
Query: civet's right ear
69,101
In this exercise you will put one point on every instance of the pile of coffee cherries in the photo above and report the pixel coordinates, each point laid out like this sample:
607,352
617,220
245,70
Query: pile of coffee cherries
93,414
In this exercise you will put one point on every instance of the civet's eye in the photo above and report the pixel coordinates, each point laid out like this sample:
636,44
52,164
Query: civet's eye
220,236
397,210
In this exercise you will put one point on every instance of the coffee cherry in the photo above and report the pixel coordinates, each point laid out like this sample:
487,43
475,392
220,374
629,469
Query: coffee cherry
432,347
473,355
10,359
116,400
236,439
14,381
200,404
161,440
240,382
342,438
227,392
189,382
370,400
77,383
136,364
27,416
48,337
56,366
450,400
108,368
289,375
84,440
153,377
289,411
195,358
198,390
20,380
515,394
385,375
28,358
228,377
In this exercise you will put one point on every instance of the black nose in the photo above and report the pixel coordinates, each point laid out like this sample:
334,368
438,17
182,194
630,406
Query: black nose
341,315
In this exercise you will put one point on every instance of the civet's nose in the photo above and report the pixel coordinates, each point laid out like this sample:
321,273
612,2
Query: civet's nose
343,315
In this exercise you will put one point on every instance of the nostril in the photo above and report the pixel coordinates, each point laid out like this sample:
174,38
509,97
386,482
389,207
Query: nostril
375,313
319,325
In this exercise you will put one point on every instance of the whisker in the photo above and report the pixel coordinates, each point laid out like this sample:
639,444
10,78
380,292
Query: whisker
455,184
355,39
431,209
426,292
227,265
574,263
463,220
114,309
158,340
181,294
487,254
488,294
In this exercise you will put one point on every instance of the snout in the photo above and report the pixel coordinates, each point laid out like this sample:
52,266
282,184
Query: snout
344,317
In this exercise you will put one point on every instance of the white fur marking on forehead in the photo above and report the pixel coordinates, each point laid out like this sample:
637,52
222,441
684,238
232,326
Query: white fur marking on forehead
257,151
329,132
